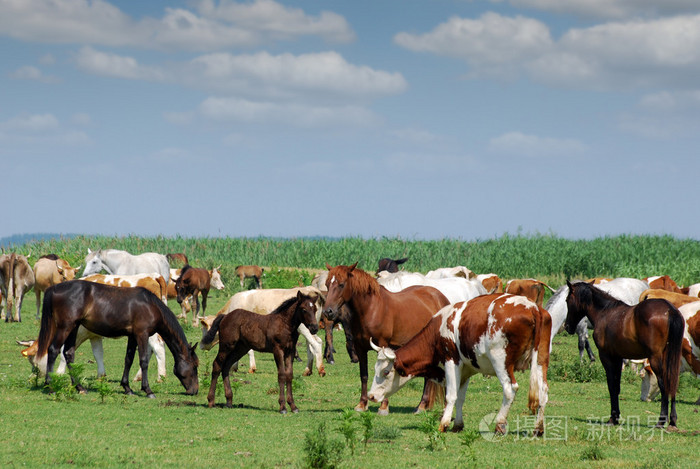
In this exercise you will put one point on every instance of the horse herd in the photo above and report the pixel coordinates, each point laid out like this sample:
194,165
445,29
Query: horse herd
445,327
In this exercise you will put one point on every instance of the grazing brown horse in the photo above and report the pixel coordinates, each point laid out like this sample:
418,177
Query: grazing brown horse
390,319
652,329
277,332
250,271
177,256
193,281
114,312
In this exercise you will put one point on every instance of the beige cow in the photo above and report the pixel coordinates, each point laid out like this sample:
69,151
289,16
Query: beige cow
48,272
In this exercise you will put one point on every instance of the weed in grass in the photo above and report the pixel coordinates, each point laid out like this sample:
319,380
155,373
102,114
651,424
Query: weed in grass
298,386
319,451
592,453
347,428
466,438
430,426
386,432
574,371
61,388
103,388
367,421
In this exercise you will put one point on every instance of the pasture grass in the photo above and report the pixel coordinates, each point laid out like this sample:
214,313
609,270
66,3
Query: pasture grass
107,428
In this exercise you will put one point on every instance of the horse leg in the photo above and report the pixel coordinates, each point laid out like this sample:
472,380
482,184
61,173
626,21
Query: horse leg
144,357
289,375
69,352
230,359
37,293
215,372
195,312
656,364
613,373
281,362
362,406
328,350
54,349
128,360
349,343
98,353
251,356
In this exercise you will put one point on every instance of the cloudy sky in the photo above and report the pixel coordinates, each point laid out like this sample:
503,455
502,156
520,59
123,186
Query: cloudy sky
422,119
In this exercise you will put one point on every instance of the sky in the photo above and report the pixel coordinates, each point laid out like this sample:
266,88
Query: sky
418,119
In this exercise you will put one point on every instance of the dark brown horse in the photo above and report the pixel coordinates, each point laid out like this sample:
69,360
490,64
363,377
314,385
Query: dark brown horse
390,265
277,332
390,319
114,312
652,329
193,281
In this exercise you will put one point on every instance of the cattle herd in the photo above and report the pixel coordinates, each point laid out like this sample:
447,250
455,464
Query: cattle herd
444,326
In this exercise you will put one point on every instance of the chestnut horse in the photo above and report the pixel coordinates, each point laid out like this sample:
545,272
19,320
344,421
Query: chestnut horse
391,319
193,281
113,312
277,332
652,329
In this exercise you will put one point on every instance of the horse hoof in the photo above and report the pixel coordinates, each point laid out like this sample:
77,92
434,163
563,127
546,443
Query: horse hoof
672,429
322,372
383,412
361,408
457,428
283,411
296,411
501,429
151,396
307,372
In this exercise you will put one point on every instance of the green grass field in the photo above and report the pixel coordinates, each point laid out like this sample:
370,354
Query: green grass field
107,428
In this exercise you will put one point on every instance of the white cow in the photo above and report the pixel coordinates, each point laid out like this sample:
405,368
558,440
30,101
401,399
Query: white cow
455,289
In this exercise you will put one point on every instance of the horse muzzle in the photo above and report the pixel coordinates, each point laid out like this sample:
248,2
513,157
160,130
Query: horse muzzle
331,313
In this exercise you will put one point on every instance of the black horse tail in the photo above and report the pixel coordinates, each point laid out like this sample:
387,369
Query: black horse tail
672,352
48,325
209,336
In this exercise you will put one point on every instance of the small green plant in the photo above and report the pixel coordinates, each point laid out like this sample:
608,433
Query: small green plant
103,388
61,388
430,426
592,453
385,432
367,421
319,451
467,438
347,428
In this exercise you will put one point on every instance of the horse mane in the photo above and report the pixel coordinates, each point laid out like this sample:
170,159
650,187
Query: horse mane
286,304
603,300
363,283
171,321
556,296
184,269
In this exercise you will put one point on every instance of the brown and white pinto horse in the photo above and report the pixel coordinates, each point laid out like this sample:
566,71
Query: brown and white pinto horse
494,335
652,329
193,281
391,319
114,312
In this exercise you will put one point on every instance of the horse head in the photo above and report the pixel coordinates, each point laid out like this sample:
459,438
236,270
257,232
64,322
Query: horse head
94,264
339,288
577,301
186,370
307,305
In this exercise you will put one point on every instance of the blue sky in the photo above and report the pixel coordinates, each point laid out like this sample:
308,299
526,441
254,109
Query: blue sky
420,119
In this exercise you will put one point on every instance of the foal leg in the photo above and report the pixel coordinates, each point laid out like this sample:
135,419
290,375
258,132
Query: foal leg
281,362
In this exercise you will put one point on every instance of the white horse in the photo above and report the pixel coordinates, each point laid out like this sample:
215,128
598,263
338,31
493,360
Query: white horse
455,289
264,302
117,262
622,288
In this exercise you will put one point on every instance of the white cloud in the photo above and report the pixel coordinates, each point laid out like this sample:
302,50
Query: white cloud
300,115
615,9
520,144
29,72
82,119
113,65
634,53
223,25
29,129
490,43
31,123
287,75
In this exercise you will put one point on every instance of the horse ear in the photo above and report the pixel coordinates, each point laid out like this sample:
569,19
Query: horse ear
328,266
568,284
352,267
89,251
299,295
193,348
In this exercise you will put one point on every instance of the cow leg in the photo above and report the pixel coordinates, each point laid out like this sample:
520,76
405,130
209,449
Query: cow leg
426,399
155,345
313,351
613,373
128,360
459,404
98,353
195,311
452,381
510,387
251,356
69,354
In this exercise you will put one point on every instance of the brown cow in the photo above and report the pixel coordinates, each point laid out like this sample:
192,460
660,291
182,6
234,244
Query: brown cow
529,288
491,282
47,272
495,334
193,281
16,279
663,282
155,283
250,271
